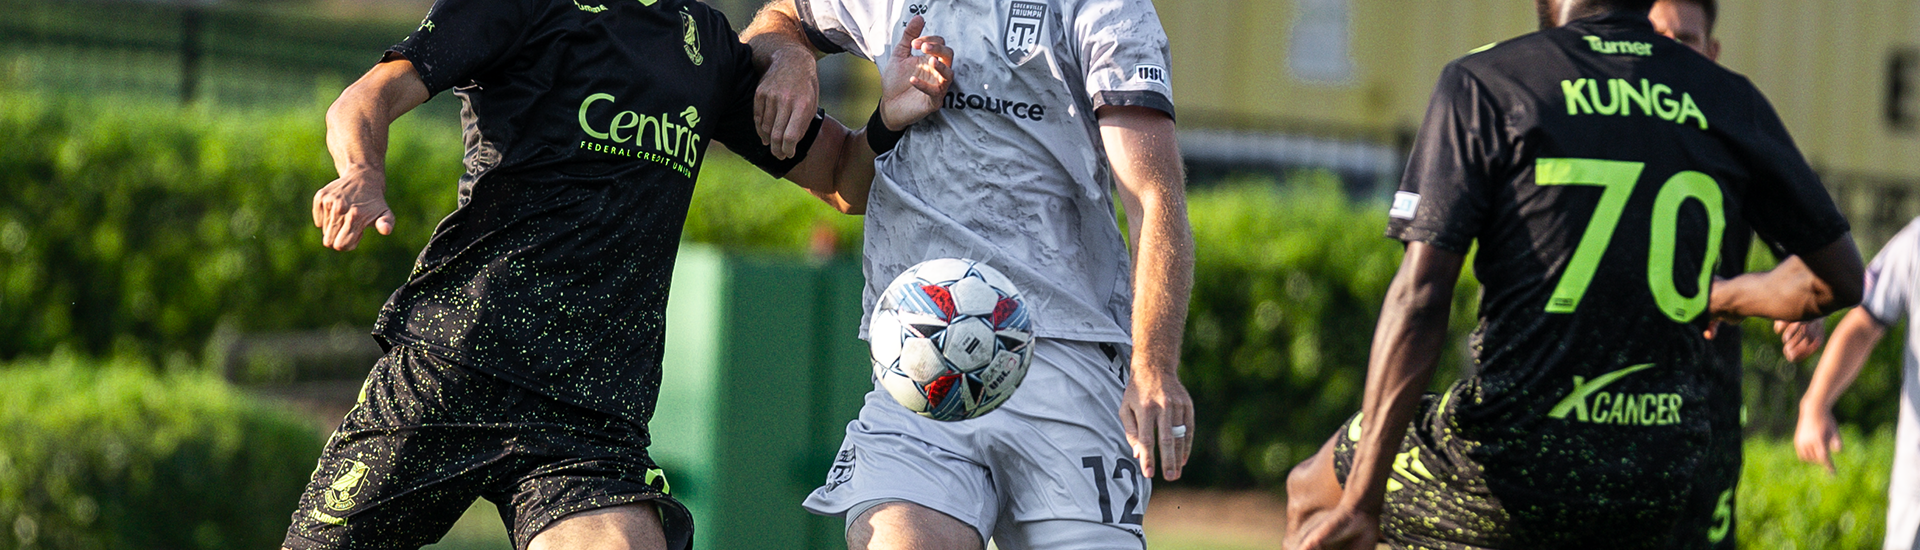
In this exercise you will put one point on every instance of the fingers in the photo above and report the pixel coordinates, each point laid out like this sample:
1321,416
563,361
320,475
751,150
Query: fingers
762,99
1186,443
1713,329
1131,426
777,117
797,119
1169,445
384,224
907,37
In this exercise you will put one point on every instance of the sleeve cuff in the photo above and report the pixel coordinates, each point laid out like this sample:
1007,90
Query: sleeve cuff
812,30
778,168
1412,234
1134,98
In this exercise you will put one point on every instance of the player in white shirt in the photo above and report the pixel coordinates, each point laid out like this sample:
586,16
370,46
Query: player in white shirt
1053,106
1892,280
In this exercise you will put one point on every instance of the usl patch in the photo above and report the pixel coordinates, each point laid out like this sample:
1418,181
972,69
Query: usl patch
1404,204
1150,73
1025,20
691,34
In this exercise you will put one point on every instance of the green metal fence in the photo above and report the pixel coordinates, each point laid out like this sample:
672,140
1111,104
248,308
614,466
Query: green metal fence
763,371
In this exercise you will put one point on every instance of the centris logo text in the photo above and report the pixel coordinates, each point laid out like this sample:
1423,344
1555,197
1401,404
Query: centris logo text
655,138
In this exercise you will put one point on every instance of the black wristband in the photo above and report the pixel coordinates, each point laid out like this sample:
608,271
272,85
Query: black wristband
879,137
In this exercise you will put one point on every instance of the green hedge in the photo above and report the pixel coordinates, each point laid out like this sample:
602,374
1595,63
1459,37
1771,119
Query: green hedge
1785,504
1287,289
109,455
137,227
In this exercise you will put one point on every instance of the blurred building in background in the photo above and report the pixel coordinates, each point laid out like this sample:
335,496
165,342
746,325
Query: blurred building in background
1341,84
1264,86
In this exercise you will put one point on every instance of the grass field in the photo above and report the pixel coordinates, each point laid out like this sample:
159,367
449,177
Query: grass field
1177,520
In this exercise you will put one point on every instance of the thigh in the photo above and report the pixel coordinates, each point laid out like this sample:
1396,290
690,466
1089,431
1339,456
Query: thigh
635,526
902,525
401,469
883,460
1060,458
1435,497
576,472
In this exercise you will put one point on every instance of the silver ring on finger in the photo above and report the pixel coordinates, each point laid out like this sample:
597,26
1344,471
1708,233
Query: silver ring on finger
1180,431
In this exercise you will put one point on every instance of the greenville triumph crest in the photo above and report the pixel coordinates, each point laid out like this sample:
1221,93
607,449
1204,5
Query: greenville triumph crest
1021,38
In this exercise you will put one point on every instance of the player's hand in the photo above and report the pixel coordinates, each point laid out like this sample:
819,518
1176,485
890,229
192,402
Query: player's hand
1156,402
1801,338
1341,528
916,77
1817,437
348,205
784,104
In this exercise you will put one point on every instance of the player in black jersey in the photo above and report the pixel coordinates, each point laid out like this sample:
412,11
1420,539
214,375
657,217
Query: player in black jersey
524,352
1596,164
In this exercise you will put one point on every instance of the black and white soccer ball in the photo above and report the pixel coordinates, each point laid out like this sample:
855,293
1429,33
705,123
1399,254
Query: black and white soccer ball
951,339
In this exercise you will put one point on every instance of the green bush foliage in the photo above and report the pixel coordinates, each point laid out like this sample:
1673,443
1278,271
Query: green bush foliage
137,227
1786,504
102,455
1287,288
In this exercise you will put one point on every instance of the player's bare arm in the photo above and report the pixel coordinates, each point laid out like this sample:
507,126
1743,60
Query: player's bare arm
1156,411
1799,339
917,74
1817,435
790,86
838,169
1801,287
1407,344
357,138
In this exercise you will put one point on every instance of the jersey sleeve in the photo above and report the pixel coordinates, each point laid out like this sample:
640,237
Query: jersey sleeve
734,125
856,26
462,38
1786,204
1891,276
1124,52
1445,195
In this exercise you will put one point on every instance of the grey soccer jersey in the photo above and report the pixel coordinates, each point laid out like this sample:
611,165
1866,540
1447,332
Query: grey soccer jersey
1891,279
1011,171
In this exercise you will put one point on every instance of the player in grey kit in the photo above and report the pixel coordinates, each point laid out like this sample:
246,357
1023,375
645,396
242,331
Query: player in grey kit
1054,105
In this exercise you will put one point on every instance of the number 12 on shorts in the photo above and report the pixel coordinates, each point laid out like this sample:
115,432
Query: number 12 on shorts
1123,468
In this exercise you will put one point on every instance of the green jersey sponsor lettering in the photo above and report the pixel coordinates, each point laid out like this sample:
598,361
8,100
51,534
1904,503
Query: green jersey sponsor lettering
1586,403
1619,47
642,136
1620,97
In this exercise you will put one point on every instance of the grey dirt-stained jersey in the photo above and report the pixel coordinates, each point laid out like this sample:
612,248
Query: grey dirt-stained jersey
1011,171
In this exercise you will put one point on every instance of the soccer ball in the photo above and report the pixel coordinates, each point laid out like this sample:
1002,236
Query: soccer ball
951,339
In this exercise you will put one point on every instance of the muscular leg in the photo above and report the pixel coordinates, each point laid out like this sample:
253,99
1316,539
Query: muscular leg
907,526
1312,488
626,527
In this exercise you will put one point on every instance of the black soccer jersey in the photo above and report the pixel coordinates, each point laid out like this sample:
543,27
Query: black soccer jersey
586,122
1598,165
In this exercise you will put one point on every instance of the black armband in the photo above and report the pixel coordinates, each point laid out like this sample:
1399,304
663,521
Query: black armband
879,137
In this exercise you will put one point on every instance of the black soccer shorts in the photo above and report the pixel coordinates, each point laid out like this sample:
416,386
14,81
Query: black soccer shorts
1440,496
428,437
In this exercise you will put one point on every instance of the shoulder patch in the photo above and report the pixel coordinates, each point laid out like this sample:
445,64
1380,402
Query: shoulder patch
1404,205
1146,72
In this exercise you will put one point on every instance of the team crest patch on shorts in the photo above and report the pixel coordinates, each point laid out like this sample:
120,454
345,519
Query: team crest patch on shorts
343,493
842,471
1025,20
